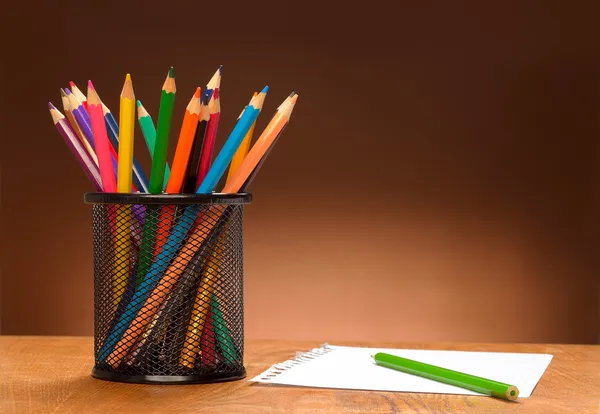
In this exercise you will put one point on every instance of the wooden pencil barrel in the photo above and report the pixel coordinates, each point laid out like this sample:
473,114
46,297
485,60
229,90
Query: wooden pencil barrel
172,314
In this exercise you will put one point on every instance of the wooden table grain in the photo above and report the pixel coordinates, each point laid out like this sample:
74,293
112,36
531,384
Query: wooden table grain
52,375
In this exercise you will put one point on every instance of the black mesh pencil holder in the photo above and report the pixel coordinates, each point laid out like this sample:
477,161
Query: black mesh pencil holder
168,287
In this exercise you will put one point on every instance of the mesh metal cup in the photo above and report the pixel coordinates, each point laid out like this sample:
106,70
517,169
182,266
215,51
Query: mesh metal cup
168,287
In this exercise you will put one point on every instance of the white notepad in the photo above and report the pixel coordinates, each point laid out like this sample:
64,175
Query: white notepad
353,368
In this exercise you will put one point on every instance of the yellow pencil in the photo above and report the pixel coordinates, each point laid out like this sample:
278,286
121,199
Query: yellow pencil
126,129
124,182
242,150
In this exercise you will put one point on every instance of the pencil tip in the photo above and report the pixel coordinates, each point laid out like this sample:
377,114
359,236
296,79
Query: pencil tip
91,85
221,69
50,106
128,77
265,89
67,91
72,84
62,93
197,93
292,94
139,103
172,72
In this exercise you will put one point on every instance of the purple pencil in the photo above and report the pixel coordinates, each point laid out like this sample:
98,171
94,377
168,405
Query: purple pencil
82,117
75,146
84,113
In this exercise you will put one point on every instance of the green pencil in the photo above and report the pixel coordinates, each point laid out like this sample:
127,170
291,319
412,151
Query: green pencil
228,349
157,174
448,376
149,133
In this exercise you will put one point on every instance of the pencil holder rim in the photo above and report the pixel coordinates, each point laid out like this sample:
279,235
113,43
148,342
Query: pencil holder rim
178,199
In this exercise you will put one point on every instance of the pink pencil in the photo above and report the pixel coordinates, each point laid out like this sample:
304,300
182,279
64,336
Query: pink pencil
101,140
84,159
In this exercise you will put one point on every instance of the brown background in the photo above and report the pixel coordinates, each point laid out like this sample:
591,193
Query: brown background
438,181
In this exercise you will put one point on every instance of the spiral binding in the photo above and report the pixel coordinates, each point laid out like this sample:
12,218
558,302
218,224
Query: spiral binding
301,358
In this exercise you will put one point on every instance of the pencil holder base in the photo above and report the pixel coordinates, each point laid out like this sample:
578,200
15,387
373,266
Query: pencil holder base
169,379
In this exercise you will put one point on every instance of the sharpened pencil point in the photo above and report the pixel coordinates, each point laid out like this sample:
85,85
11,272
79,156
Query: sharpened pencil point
292,94
91,85
139,103
50,106
63,93
172,72
197,93
128,77
67,91
72,84
265,89
221,69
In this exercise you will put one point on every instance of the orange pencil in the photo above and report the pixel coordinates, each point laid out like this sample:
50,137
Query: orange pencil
243,149
262,144
179,167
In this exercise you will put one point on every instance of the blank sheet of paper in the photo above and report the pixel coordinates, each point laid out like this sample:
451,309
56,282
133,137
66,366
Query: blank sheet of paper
353,368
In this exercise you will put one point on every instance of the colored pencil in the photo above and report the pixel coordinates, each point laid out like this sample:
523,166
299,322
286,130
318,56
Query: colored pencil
262,144
79,95
226,345
195,337
178,171
184,144
214,109
126,131
256,169
76,127
65,130
124,182
149,133
208,350
82,117
189,184
140,181
159,160
112,128
101,139
149,295
242,151
448,376
233,142
163,128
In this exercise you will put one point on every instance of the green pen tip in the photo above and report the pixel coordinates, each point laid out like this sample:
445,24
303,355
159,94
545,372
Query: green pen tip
172,72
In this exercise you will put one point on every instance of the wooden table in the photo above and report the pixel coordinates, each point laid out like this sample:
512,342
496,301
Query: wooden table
52,375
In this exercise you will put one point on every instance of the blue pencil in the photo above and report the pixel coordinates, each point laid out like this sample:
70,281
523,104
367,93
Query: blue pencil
181,229
139,178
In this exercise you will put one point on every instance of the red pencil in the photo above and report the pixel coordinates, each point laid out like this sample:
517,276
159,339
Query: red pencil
208,346
214,108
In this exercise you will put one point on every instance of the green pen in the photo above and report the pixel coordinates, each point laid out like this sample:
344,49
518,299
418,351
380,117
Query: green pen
448,376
